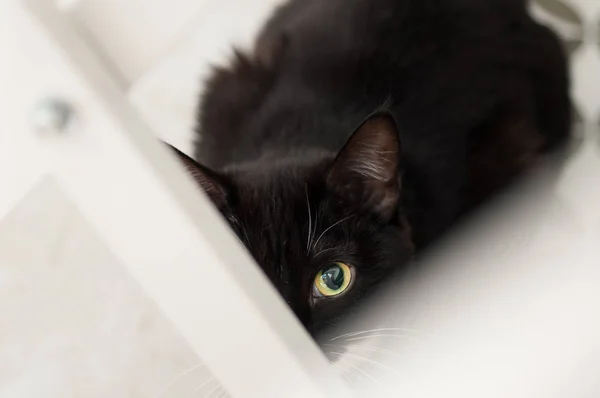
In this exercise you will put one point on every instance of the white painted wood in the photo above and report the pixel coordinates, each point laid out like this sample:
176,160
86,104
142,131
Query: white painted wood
134,34
154,218
20,168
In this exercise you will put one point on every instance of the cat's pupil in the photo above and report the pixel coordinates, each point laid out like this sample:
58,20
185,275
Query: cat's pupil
333,277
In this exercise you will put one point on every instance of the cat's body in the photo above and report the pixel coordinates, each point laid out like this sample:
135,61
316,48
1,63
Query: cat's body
475,89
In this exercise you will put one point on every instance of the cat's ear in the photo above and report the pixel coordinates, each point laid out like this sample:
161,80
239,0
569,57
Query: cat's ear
366,169
211,182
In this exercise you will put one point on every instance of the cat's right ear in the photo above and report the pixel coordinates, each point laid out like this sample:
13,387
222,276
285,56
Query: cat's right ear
366,169
213,184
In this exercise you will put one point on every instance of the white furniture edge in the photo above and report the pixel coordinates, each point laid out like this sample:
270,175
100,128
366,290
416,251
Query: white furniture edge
131,35
175,245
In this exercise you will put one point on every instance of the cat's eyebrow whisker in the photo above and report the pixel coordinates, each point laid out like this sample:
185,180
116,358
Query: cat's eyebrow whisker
315,226
333,225
309,220
323,251
179,377
383,152
374,331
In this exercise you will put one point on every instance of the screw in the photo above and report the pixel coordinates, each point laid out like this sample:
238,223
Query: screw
51,116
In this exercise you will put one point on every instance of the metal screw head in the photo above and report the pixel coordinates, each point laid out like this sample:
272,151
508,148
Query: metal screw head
51,116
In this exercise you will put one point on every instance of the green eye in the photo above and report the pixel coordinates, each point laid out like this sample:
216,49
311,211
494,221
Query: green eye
333,279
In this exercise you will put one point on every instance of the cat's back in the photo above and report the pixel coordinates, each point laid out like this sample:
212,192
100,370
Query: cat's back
336,44
323,65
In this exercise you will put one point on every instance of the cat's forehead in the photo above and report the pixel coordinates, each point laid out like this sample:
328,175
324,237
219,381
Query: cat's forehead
272,216
286,201
284,183
275,195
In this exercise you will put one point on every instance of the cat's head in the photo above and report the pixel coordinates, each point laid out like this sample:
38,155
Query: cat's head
324,228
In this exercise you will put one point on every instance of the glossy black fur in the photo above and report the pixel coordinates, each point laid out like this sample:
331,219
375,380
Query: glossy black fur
477,91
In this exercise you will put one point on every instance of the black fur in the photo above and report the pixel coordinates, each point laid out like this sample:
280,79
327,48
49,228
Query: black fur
477,91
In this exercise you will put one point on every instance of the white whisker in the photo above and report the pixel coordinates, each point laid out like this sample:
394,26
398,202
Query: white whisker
246,235
346,376
364,373
404,336
384,152
176,379
203,384
373,349
356,368
347,379
323,251
217,389
373,331
368,360
315,227
324,232
309,220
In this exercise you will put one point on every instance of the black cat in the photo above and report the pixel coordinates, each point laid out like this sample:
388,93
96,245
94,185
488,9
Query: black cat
358,130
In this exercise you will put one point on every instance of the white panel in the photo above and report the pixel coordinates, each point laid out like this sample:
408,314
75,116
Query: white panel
135,33
168,93
157,223
508,307
74,322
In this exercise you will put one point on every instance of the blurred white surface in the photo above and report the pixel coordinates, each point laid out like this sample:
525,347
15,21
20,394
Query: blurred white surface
73,322
168,93
507,307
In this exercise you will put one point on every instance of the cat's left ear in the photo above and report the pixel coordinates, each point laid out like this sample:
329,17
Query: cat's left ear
366,169
213,184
